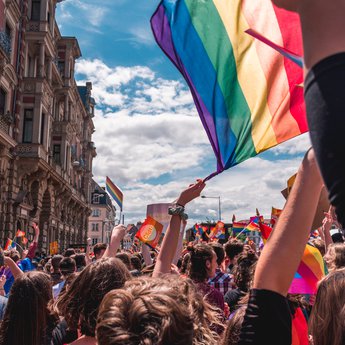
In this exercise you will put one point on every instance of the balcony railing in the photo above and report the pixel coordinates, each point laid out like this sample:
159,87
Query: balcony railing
5,42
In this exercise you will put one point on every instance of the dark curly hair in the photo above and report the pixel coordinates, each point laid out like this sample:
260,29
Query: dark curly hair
199,254
79,304
244,269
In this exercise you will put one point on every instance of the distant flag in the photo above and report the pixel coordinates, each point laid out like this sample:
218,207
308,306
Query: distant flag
10,244
290,182
256,219
25,240
257,212
238,227
213,232
150,232
275,213
252,226
20,233
221,231
265,231
115,192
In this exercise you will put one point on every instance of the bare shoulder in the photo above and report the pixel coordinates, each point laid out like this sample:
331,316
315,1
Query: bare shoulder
84,341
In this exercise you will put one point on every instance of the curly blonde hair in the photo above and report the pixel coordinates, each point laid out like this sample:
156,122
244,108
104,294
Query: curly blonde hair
156,311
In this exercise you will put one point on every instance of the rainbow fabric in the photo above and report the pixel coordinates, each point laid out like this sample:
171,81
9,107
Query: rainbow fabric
310,270
150,232
252,226
115,192
246,93
10,244
221,231
238,227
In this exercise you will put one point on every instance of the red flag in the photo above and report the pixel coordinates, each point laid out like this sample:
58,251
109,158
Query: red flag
150,231
24,240
265,231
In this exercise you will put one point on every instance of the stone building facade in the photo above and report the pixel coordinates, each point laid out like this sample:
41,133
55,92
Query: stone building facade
46,126
103,214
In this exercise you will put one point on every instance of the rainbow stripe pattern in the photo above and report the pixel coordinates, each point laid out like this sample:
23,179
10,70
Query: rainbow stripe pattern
246,93
310,270
115,192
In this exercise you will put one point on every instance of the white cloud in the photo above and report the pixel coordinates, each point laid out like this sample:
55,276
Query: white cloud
151,142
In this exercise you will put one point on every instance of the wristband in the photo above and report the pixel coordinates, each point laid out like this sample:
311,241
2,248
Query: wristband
178,210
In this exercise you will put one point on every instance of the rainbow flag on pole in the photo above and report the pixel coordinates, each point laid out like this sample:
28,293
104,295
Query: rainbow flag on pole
246,93
115,192
10,244
238,227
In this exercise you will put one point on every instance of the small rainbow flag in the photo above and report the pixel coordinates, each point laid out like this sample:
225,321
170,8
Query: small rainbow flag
20,233
238,227
150,232
252,226
115,192
10,244
246,93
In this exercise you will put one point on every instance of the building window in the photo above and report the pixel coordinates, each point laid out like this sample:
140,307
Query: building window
94,227
28,125
35,9
42,128
57,153
96,213
2,101
94,241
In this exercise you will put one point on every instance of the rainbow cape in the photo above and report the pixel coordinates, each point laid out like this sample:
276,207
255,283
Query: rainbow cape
115,192
246,93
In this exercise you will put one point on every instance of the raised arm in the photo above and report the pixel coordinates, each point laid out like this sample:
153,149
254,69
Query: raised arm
33,246
16,271
145,251
170,241
117,236
284,249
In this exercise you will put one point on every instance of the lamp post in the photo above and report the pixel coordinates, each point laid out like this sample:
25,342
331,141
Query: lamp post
219,204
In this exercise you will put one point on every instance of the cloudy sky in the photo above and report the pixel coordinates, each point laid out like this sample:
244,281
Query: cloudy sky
149,137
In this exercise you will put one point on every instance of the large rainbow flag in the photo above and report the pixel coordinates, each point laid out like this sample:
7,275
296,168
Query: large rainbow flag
246,93
115,192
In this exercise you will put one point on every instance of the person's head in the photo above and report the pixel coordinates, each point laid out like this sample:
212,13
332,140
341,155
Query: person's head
13,254
327,319
219,250
203,263
335,256
232,248
319,244
125,258
79,260
156,311
185,263
69,252
244,269
233,328
79,304
67,266
55,262
136,263
99,250
27,315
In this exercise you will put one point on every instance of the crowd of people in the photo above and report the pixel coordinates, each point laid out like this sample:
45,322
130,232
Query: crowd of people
199,293
212,294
